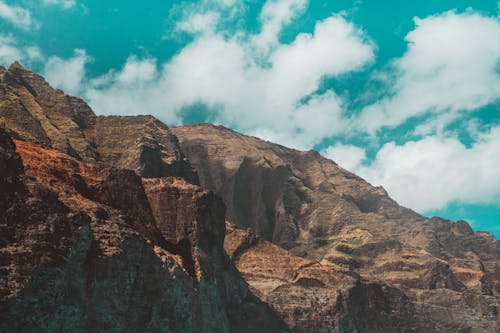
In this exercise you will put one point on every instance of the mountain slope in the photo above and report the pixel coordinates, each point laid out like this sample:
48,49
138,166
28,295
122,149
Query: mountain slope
82,250
96,234
317,210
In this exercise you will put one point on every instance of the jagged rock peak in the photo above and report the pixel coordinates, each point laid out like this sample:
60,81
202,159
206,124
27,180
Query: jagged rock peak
32,110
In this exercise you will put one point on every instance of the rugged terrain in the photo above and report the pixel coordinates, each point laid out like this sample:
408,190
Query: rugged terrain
104,227
82,250
33,111
87,247
317,210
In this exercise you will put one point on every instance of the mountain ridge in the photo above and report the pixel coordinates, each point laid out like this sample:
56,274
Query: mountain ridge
319,248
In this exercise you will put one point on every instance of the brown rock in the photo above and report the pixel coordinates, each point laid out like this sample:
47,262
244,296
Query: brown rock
80,251
311,297
33,111
317,210
140,143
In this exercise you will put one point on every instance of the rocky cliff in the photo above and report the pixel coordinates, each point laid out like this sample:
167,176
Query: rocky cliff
312,297
31,110
103,227
317,210
82,249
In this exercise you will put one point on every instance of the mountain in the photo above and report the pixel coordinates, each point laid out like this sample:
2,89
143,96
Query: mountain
104,227
84,247
82,250
33,111
317,210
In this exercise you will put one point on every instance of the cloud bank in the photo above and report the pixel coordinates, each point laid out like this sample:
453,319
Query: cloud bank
250,82
433,172
257,84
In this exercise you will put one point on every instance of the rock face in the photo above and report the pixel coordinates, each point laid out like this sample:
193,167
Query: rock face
103,227
82,250
140,143
312,297
33,111
310,206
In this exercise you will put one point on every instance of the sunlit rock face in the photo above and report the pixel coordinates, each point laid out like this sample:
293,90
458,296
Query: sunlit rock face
31,110
104,227
317,210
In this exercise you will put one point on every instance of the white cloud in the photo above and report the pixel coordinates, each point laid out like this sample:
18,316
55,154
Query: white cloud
276,100
274,16
18,16
67,74
347,156
204,16
199,23
11,50
64,3
451,65
433,172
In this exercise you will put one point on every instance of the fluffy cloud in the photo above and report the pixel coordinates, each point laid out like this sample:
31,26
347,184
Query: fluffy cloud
451,65
18,16
204,16
275,97
436,171
274,15
63,3
11,50
67,74
199,23
347,156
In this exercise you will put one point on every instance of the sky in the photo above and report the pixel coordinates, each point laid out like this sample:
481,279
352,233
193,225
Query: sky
405,94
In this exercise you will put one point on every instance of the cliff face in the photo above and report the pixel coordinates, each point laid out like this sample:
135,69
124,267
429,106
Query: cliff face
103,227
33,111
82,249
311,297
315,209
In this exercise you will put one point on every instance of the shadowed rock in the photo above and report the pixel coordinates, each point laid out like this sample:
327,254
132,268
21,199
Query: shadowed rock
80,251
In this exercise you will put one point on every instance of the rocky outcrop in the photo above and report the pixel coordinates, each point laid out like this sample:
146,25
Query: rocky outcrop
317,210
104,228
82,250
312,297
33,111
140,143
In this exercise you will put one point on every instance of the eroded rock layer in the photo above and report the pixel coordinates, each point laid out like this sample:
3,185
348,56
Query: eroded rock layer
82,250
317,210
33,111
312,297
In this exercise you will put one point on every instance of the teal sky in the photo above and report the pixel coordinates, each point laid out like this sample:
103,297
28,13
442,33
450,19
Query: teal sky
404,93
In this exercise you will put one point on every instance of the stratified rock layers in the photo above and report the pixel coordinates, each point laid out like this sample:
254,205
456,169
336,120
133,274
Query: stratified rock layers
82,250
103,227
317,210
